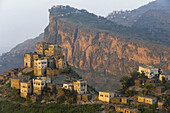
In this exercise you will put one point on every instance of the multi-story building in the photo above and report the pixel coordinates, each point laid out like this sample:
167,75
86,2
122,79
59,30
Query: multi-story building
53,50
25,89
149,71
80,86
15,83
146,99
40,66
28,60
38,85
106,96
41,47
61,64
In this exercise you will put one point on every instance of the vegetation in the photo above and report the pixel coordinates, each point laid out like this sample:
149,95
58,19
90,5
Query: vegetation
8,107
129,81
67,70
163,80
31,73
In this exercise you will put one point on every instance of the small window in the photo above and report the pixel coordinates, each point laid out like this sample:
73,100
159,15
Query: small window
101,95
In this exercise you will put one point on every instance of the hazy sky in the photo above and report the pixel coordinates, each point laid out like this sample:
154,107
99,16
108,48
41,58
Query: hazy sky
25,19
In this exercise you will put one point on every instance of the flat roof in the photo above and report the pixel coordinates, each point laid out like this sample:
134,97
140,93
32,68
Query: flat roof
147,96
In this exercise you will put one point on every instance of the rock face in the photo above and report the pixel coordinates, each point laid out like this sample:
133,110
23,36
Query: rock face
103,52
99,50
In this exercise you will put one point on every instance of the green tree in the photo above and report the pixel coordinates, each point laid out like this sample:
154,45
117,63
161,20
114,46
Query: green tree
134,75
126,82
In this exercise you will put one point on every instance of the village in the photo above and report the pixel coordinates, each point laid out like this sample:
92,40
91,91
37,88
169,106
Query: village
45,78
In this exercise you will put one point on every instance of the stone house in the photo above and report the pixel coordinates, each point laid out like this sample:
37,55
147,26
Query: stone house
13,72
160,105
149,71
28,60
84,97
40,66
125,109
160,89
80,86
61,64
52,72
38,86
124,100
15,83
115,100
25,89
128,110
147,99
41,47
154,82
106,96
119,100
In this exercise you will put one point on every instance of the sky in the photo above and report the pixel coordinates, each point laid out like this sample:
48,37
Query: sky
25,19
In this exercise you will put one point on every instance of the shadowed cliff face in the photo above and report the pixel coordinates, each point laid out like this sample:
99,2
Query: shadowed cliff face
99,51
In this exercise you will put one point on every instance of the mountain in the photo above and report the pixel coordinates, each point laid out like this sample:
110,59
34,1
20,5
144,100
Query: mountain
98,49
15,58
4,50
128,18
152,20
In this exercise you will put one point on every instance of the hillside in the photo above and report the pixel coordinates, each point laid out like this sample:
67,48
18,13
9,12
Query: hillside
152,20
99,50
128,18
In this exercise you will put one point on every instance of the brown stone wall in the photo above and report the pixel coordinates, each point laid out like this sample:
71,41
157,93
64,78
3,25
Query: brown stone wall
115,100
52,72
51,86
86,97
15,83
28,62
79,97
60,91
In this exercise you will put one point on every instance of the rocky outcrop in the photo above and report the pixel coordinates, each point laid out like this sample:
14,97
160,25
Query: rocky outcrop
100,51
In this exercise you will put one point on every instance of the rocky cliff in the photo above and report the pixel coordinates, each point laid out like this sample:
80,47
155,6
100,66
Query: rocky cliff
102,51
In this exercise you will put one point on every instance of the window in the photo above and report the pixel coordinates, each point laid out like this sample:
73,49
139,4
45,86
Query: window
101,95
106,95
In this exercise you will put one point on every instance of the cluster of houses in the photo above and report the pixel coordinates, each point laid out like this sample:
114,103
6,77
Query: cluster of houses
153,77
47,64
